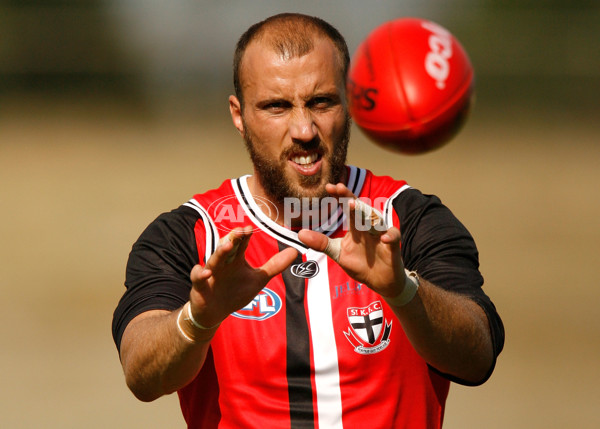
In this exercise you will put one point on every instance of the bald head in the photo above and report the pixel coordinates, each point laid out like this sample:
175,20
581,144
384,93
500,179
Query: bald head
289,35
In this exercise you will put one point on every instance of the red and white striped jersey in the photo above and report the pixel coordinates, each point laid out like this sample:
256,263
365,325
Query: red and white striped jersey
315,348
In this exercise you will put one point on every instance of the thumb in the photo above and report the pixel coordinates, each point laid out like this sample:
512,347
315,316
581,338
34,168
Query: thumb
320,242
314,240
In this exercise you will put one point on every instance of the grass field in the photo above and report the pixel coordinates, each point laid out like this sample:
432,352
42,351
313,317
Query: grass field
80,182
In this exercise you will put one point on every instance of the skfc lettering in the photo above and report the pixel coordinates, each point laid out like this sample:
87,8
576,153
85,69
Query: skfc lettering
364,311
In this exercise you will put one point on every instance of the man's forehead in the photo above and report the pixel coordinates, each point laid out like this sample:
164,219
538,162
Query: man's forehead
267,45
261,54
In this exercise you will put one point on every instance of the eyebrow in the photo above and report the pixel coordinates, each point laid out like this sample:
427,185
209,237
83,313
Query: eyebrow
327,94
333,95
273,100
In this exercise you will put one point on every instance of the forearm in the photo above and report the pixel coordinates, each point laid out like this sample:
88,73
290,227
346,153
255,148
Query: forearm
157,359
449,331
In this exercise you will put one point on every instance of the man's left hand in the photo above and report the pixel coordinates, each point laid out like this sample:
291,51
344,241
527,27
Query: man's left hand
368,253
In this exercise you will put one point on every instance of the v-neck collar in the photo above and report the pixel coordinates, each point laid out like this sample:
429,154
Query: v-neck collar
355,182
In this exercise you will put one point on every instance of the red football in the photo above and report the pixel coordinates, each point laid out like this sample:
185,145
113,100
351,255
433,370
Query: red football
410,85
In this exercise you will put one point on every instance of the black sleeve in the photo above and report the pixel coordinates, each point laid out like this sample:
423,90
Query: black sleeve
158,270
442,251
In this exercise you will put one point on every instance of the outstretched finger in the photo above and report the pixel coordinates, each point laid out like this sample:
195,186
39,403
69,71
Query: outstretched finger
392,239
362,217
339,190
365,218
232,245
279,262
391,236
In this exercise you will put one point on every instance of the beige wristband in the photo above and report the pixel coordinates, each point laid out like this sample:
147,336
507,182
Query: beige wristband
411,286
189,334
191,318
186,336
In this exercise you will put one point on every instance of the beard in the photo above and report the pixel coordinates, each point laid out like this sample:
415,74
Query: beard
278,185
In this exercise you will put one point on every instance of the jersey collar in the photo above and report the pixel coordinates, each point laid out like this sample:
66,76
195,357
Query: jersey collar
355,182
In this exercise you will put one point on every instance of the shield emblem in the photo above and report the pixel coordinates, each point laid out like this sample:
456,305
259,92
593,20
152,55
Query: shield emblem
366,322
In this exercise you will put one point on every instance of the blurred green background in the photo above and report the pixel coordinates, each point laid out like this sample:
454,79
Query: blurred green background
146,51
114,111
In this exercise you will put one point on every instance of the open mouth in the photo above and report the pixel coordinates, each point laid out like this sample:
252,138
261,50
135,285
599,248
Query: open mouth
306,161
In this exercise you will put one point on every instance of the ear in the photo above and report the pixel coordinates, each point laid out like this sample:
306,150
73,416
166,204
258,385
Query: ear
235,109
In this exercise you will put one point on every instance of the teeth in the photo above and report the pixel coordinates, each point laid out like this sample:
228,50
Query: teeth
304,160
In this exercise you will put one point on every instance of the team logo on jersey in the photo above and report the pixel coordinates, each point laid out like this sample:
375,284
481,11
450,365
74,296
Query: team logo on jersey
264,305
306,270
369,332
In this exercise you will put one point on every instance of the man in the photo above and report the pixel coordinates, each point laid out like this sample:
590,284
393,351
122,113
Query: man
263,307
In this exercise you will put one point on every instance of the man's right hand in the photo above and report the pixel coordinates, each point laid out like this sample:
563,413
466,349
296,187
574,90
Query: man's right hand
228,282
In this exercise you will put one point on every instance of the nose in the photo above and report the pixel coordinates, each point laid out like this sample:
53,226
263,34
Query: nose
302,127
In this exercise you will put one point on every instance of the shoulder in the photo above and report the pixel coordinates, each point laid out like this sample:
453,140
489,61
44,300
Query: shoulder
167,243
190,218
426,217
170,226
411,202
208,198
379,186
436,243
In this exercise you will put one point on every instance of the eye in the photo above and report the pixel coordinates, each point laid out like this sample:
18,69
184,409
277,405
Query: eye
278,106
322,102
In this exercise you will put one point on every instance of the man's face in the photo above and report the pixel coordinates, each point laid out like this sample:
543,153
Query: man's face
295,121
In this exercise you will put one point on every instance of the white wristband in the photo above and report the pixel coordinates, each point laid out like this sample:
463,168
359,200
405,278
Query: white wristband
186,336
411,285
191,318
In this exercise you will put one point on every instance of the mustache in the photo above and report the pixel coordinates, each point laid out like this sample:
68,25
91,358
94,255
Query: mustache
315,145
